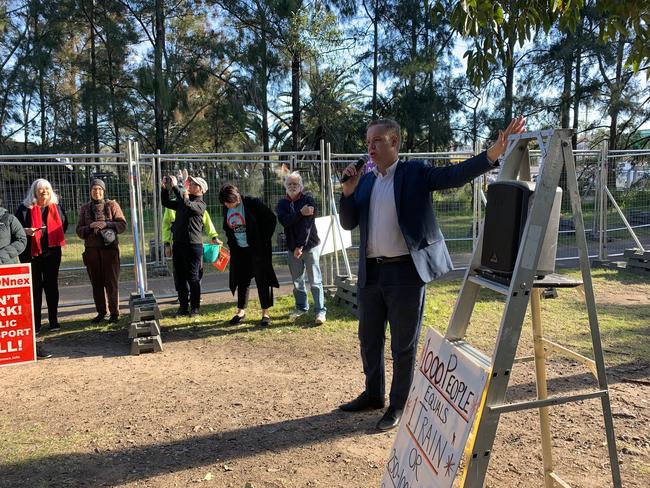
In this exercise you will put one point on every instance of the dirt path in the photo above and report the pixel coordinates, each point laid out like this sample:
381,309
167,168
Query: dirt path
258,409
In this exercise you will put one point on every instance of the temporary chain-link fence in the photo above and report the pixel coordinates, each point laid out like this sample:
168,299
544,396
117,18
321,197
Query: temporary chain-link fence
618,181
70,176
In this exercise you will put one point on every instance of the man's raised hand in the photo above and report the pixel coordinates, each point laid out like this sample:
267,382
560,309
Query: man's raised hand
516,126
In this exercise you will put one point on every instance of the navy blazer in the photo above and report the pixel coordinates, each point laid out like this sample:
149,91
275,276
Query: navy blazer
413,183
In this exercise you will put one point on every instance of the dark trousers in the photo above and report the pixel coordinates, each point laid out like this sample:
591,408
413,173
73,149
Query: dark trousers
249,268
103,266
187,273
393,293
45,278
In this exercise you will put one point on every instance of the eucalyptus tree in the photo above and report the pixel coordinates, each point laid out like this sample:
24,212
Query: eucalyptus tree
417,56
112,35
494,28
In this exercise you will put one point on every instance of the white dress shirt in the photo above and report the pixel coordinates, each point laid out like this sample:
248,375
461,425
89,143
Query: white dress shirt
385,237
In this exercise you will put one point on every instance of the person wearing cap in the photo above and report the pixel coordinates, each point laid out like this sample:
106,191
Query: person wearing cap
169,217
187,250
97,218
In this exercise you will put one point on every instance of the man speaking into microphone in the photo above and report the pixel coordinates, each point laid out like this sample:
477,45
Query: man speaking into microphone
401,250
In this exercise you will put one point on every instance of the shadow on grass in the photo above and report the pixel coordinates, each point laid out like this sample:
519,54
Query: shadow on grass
113,468
79,338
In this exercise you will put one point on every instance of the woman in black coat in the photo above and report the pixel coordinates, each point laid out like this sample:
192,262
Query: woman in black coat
45,223
249,226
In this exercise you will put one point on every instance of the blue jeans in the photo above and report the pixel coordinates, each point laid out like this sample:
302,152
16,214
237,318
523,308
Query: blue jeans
308,262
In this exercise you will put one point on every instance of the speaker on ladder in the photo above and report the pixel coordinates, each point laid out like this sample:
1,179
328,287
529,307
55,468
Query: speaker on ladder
508,203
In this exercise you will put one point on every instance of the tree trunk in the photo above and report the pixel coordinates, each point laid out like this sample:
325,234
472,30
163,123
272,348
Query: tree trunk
266,169
565,101
74,108
375,59
614,109
26,128
577,87
410,91
87,135
111,86
93,80
159,80
295,101
509,95
41,89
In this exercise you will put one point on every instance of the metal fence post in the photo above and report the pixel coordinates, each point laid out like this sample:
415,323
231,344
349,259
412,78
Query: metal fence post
157,218
138,197
326,150
602,203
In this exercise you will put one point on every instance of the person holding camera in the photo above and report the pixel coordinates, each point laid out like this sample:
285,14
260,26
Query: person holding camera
187,250
45,222
99,222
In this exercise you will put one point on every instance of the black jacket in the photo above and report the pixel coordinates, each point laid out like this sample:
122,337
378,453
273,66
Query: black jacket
188,226
260,225
299,230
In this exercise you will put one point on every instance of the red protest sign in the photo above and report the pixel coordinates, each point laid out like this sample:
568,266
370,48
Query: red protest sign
222,260
17,340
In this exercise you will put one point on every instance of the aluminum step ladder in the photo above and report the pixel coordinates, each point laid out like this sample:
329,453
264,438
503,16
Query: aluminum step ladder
519,290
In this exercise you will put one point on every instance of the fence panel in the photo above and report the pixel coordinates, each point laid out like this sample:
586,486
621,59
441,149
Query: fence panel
70,175
629,184
262,175
256,174
454,207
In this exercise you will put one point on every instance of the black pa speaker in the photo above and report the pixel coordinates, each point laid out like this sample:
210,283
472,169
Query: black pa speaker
508,203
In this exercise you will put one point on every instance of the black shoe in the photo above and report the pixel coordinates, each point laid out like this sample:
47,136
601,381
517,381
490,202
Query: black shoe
113,319
363,402
182,312
265,322
236,319
55,326
42,353
194,312
97,320
390,420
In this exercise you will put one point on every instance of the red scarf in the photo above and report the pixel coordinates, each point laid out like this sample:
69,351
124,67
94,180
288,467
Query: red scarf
54,227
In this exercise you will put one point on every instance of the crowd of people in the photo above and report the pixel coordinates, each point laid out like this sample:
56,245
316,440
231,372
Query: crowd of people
249,225
35,234
401,249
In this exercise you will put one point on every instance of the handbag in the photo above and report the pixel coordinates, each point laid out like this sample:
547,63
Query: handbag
108,236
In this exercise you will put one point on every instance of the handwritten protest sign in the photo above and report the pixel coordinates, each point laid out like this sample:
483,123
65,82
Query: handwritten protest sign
17,340
331,235
446,393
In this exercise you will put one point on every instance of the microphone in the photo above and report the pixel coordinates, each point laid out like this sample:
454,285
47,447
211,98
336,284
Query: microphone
358,165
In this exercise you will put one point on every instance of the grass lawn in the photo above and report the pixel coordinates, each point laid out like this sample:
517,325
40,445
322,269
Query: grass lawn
621,298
